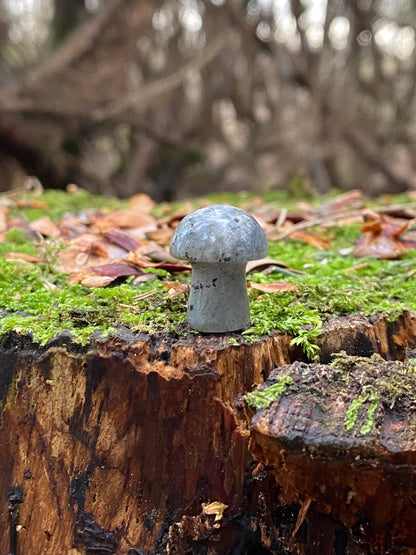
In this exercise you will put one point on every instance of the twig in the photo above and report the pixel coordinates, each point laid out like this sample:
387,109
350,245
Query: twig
148,92
282,218
79,43
324,219
319,220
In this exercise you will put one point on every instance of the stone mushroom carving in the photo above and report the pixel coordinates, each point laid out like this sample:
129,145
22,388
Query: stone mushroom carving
218,241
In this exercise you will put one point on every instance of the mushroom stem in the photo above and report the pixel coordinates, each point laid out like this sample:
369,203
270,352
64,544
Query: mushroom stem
218,300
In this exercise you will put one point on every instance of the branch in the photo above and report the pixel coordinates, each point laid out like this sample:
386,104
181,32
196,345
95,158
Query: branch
147,93
73,48
328,220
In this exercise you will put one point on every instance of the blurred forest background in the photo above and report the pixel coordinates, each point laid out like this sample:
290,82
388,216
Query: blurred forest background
180,97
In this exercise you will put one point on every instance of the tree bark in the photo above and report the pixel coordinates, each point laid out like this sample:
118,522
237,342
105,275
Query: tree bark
125,445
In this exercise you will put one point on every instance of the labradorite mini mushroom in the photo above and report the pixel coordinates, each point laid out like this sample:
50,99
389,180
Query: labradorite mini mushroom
218,241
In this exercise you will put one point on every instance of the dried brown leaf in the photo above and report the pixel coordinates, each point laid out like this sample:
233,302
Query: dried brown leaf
46,227
264,263
409,240
71,226
127,219
31,203
122,239
91,277
379,246
215,508
319,241
161,235
86,250
344,200
149,252
143,278
22,256
380,236
273,287
175,288
142,203
172,268
4,212
96,281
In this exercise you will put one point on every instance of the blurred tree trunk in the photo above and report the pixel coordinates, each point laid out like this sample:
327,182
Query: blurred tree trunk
68,14
178,98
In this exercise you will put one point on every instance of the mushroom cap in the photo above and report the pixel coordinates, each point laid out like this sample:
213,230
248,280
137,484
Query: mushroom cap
219,233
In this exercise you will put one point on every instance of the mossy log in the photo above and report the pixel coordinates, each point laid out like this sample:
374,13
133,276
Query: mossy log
125,446
364,478
341,441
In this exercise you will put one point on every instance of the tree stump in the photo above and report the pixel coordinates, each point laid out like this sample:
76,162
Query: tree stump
105,447
341,442
140,444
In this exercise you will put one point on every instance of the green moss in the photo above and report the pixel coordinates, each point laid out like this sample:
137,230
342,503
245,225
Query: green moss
334,284
60,202
370,395
34,299
43,305
263,398
379,384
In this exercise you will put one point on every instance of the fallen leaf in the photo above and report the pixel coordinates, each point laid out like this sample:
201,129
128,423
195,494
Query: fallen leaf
127,219
86,250
150,252
379,246
33,203
266,227
215,508
162,234
380,236
344,200
46,227
142,202
157,253
109,272
96,281
143,278
267,216
402,213
319,241
175,288
264,263
172,268
273,287
122,239
4,212
115,270
22,256
409,240
72,226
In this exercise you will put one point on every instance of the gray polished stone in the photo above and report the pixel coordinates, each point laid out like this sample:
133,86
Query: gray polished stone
218,241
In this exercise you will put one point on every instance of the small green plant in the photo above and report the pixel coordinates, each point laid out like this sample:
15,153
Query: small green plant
368,394
263,398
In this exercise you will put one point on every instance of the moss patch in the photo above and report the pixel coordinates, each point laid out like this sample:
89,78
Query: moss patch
263,398
35,300
351,395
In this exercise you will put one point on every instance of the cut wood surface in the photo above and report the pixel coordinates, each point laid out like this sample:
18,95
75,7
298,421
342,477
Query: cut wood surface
344,439
139,444
112,443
